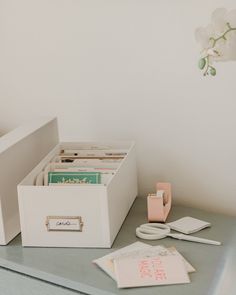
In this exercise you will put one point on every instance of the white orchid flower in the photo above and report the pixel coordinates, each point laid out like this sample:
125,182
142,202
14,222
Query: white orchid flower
217,40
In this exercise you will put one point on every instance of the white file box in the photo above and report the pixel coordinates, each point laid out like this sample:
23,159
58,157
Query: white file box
20,150
77,215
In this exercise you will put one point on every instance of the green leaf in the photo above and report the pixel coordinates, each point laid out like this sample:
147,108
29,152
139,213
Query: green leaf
202,63
213,71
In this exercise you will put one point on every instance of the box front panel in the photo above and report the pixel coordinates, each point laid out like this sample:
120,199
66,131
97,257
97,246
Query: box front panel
63,216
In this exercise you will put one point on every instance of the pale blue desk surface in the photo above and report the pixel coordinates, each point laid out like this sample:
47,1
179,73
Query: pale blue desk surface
73,268
12,283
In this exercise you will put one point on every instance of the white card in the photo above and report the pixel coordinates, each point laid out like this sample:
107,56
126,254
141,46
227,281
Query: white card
155,251
188,266
188,225
106,262
137,250
151,271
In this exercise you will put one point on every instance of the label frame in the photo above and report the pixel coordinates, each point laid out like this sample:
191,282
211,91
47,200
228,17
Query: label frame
59,217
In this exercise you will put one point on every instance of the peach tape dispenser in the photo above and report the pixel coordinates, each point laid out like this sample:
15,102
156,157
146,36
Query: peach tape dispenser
159,204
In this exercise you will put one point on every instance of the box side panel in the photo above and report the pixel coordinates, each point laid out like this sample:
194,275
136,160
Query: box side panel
38,203
122,192
30,179
2,232
15,163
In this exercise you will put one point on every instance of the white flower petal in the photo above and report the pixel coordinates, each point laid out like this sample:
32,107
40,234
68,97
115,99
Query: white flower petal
231,18
202,37
231,47
210,60
210,30
219,20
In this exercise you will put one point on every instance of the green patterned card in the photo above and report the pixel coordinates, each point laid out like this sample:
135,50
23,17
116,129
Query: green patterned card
74,177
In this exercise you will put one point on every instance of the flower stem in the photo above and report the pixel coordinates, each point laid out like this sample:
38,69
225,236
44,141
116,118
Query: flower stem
215,40
207,65
223,36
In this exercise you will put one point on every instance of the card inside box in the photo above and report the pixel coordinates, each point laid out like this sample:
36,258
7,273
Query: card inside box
85,157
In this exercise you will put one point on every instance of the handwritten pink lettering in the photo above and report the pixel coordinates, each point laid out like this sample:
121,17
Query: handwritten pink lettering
152,268
145,269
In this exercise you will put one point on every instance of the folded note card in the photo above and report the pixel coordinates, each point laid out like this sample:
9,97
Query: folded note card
154,251
188,266
151,271
106,262
137,250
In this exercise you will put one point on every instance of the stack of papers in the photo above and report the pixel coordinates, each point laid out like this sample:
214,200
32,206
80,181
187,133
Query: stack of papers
140,264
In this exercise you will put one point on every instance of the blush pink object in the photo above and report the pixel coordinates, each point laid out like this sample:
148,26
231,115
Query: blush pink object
159,205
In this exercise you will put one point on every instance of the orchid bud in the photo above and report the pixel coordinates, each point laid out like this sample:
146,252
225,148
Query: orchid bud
213,71
201,63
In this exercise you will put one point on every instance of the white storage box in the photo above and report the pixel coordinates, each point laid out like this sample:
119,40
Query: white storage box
77,215
20,150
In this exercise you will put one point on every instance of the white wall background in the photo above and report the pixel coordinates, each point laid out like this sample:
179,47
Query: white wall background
126,69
